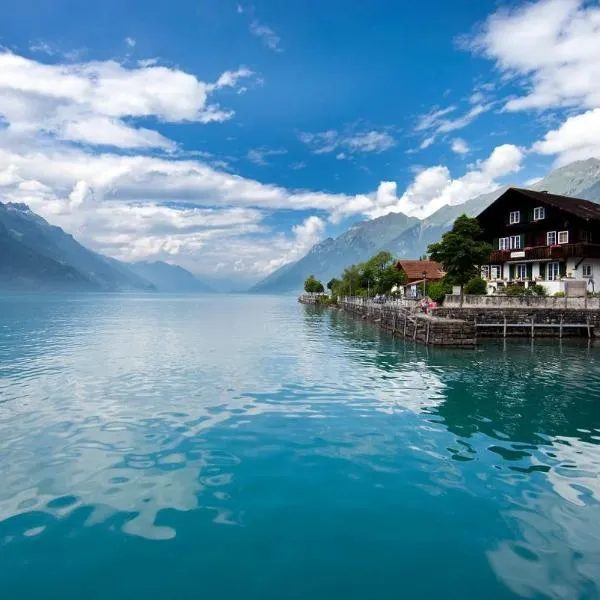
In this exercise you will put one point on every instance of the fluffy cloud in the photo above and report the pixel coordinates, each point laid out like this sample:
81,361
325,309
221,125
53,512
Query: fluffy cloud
459,146
554,44
259,155
350,141
433,188
269,38
577,138
87,102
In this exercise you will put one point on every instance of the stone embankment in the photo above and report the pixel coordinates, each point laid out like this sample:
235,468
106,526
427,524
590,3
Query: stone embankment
402,319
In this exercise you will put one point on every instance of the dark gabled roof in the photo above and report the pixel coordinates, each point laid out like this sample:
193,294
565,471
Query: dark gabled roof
584,209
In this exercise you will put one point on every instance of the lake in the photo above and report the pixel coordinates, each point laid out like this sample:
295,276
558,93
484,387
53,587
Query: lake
250,447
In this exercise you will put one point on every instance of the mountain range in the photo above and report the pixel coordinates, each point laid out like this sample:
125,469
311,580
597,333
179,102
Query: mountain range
38,256
408,237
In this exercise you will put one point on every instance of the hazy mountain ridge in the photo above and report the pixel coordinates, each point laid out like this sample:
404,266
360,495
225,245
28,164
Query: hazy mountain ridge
38,255
169,278
328,258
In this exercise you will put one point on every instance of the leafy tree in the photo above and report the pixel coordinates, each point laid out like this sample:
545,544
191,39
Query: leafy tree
333,284
476,287
313,285
461,250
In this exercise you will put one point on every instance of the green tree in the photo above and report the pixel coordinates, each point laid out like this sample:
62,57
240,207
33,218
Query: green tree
437,290
333,284
461,250
313,285
476,287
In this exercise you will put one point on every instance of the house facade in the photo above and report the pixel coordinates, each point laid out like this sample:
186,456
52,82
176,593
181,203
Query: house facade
541,238
418,273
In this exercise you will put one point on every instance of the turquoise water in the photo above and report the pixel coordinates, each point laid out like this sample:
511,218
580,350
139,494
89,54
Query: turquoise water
250,447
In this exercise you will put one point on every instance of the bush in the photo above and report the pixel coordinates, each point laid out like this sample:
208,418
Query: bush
516,290
476,287
539,290
437,290
559,294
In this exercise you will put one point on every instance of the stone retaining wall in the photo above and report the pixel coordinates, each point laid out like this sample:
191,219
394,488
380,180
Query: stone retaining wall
454,301
525,315
428,329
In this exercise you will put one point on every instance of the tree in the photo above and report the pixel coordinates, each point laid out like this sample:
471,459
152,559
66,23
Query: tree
333,284
437,290
313,286
476,287
461,250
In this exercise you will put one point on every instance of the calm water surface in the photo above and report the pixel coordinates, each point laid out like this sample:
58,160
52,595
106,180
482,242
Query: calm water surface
242,447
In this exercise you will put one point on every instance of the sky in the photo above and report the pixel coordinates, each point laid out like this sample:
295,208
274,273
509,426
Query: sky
230,137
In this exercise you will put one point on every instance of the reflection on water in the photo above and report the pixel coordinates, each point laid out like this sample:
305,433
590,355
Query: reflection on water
274,450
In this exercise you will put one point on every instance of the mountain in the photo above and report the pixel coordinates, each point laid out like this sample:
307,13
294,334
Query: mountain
37,255
407,237
329,258
169,278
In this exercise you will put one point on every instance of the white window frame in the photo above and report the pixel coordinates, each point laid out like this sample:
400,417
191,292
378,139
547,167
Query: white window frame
548,241
515,242
563,237
514,217
553,271
521,271
496,272
485,272
539,213
587,271
503,243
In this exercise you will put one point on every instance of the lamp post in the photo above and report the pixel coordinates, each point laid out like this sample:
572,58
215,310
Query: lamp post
424,284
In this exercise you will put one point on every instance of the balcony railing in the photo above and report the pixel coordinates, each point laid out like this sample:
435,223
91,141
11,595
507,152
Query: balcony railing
558,252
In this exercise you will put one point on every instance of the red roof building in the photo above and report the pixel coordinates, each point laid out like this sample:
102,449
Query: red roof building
414,270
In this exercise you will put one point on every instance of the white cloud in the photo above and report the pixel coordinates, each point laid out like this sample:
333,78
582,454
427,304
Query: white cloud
259,155
436,122
269,38
433,187
577,138
130,41
459,146
350,140
554,45
86,102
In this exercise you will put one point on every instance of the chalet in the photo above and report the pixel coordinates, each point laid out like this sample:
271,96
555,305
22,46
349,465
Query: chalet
418,273
541,238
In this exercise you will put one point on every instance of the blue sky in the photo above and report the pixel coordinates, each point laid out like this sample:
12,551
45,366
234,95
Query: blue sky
229,137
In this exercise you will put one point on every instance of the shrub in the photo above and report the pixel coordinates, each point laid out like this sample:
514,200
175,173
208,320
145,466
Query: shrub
559,294
539,290
476,287
437,290
515,290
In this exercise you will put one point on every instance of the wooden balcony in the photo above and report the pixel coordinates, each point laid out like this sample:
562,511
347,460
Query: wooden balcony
559,252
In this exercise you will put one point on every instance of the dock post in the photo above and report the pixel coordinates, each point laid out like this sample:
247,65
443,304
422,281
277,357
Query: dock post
427,336
532,326
561,327
405,319
589,329
504,325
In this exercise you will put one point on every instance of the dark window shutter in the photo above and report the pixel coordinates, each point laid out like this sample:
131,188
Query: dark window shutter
529,271
522,240
511,272
562,269
530,215
543,270
496,244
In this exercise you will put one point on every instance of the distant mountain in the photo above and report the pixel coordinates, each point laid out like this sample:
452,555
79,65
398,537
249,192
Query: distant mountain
169,278
407,237
37,255
328,258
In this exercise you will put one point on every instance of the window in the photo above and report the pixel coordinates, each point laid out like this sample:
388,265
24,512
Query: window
515,242
503,244
551,238
586,236
539,213
495,271
553,271
514,217
485,272
586,270
563,237
521,271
